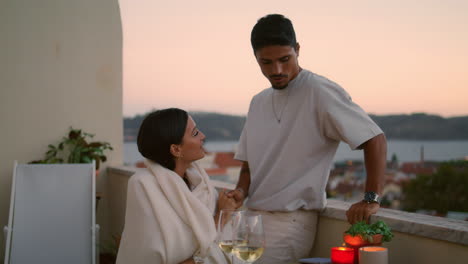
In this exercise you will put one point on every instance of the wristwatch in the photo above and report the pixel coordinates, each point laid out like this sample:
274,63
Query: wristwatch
371,197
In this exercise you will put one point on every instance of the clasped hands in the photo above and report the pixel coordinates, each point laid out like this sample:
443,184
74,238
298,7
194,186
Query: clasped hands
232,199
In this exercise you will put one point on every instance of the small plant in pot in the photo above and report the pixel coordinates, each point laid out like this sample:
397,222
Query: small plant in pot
75,148
363,234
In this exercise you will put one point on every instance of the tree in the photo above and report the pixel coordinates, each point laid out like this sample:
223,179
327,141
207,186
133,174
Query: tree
443,191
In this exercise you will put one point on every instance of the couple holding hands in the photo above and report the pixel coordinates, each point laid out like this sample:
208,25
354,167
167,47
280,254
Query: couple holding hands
287,146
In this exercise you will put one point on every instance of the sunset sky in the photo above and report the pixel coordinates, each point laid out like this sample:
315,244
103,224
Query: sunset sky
392,57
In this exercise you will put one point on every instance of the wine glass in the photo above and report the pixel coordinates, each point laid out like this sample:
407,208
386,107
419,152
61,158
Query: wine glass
227,222
249,238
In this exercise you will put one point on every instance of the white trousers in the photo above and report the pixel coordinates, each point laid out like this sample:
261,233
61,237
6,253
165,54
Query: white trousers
289,236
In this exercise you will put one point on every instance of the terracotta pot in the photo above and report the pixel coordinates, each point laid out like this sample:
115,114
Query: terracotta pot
358,241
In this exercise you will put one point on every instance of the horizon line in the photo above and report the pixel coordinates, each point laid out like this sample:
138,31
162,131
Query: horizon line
242,115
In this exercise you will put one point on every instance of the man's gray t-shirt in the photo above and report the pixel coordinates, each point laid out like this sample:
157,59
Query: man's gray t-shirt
290,159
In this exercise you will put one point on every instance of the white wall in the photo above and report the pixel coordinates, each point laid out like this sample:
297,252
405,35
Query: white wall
60,66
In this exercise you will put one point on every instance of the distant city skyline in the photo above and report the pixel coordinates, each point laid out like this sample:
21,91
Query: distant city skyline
392,57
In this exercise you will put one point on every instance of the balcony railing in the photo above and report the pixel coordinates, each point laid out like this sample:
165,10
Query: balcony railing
418,238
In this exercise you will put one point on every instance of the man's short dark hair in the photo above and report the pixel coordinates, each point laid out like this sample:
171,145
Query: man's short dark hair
158,131
271,30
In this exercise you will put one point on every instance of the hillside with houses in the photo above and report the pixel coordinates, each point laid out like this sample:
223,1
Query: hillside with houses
347,179
418,126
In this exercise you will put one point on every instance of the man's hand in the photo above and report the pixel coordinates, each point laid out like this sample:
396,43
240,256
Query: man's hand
226,202
361,211
238,195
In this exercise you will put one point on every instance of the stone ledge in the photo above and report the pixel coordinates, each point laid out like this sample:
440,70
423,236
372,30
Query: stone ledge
432,227
123,170
451,230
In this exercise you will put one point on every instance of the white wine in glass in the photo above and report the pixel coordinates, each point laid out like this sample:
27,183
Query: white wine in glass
228,219
226,246
248,254
249,238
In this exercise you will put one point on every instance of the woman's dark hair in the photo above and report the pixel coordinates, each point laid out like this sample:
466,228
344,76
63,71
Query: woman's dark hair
271,30
158,131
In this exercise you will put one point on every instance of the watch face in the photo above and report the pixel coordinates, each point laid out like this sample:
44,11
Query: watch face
371,197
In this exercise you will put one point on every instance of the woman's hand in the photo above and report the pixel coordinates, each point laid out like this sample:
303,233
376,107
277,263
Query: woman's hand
225,202
238,195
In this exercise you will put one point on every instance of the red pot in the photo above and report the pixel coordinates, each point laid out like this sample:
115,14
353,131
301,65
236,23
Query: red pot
360,242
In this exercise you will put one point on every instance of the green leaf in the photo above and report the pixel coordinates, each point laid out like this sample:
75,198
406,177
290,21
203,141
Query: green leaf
74,148
368,230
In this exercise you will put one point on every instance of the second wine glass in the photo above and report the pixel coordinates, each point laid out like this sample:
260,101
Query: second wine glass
249,238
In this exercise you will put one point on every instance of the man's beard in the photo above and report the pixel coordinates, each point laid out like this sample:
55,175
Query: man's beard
279,87
276,87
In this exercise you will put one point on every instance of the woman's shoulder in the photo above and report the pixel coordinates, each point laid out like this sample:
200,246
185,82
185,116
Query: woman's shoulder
141,176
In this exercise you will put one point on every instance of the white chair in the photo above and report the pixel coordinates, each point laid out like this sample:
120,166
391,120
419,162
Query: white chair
52,214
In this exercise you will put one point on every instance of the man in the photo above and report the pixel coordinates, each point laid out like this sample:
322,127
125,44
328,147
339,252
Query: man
289,140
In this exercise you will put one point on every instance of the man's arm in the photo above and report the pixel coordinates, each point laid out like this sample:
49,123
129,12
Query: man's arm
375,158
244,178
242,188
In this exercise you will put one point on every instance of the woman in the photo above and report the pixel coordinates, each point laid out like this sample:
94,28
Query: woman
171,205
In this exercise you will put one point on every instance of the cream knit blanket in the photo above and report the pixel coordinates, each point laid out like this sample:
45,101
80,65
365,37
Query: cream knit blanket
165,222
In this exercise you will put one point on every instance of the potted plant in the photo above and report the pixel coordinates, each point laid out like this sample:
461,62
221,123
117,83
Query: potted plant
75,148
362,234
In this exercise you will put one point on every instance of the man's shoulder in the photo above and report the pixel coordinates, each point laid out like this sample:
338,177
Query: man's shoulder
323,86
319,81
262,94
